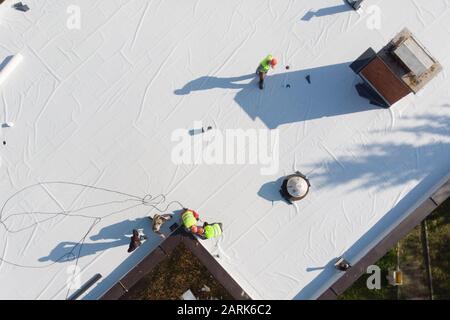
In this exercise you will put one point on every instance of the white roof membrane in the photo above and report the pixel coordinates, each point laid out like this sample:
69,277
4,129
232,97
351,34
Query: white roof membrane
94,109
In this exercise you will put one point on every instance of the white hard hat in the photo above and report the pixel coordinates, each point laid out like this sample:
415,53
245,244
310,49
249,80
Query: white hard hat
297,187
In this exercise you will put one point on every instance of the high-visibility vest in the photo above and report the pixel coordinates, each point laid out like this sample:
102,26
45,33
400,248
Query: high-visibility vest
212,231
265,64
188,219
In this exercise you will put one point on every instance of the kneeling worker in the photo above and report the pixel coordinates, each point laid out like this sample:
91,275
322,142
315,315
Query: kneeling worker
189,218
210,231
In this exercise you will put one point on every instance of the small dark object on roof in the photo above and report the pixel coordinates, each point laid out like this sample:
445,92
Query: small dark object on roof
308,78
287,67
288,86
136,240
342,264
21,7
4,143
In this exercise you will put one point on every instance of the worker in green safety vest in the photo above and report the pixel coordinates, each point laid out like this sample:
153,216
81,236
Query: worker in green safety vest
189,219
264,67
209,231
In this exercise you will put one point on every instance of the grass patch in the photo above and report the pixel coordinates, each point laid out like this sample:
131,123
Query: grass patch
179,272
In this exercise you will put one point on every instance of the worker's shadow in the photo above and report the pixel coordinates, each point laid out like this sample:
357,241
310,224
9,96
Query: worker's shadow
69,251
292,96
111,236
117,230
345,7
206,83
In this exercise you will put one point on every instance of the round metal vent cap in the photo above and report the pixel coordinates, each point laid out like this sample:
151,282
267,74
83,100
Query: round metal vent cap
297,187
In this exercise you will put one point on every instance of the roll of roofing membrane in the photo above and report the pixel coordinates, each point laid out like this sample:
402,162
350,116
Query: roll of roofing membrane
11,64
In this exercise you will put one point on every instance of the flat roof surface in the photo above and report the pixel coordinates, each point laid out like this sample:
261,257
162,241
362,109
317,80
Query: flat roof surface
95,109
